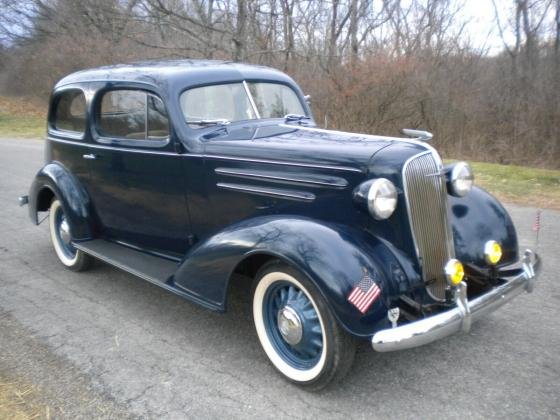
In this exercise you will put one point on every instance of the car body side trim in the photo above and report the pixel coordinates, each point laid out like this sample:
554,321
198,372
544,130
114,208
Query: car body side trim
210,156
299,178
286,163
272,192
121,149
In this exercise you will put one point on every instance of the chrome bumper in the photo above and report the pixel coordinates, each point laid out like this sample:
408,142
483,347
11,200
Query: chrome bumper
459,318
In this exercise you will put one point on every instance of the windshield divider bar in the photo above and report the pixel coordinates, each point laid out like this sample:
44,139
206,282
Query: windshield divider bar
251,100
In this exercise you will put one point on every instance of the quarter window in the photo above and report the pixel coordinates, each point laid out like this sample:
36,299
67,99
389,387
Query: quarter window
133,114
70,112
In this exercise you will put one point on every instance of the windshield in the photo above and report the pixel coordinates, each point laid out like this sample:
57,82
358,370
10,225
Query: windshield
237,102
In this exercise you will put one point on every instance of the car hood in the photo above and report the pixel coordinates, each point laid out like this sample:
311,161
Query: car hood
296,144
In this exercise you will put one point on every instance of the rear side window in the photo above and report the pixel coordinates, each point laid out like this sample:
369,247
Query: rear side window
134,115
70,112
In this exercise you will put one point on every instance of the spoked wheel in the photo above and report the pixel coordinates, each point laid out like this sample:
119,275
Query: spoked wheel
69,256
297,329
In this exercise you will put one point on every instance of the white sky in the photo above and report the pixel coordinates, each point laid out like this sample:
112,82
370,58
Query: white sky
482,28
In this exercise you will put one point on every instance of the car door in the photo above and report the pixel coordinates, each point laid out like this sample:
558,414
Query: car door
136,181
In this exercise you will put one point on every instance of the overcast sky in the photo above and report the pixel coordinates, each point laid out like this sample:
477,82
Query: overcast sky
482,28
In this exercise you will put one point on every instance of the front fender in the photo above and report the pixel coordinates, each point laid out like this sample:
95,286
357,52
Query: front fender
55,179
331,256
477,218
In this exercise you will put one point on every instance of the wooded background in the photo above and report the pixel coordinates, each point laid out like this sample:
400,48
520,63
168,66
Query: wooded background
372,66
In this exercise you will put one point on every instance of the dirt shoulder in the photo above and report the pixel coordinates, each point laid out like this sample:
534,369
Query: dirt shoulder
35,383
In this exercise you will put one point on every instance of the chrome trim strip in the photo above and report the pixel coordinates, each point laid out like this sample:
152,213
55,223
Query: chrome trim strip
405,188
210,156
286,163
459,318
450,246
301,179
271,192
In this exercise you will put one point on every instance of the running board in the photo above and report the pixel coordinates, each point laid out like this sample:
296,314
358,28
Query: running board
156,270
148,267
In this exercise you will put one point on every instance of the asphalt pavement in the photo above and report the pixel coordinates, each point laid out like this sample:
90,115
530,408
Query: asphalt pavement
106,344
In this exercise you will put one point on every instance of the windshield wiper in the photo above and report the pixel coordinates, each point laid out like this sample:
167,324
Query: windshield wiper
218,121
295,117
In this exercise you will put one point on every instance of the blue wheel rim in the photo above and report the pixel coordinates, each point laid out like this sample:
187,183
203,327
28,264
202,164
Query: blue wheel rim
66,247
307,352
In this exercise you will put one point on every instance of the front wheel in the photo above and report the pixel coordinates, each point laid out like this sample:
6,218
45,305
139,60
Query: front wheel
297,330
68,255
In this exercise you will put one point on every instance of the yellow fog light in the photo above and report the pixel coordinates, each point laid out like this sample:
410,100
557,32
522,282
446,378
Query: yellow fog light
454,272
492,252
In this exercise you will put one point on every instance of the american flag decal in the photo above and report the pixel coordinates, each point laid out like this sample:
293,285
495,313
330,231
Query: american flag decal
364,293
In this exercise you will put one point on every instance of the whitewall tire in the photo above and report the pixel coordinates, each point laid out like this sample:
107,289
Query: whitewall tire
296,328
61,238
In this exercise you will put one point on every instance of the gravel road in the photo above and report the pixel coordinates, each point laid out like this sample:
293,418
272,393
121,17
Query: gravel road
106,344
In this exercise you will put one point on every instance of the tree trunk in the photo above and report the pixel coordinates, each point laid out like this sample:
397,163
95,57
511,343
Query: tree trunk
240,37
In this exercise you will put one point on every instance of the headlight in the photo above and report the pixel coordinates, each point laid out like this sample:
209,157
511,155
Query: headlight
461,179
454,272
382,198
492,252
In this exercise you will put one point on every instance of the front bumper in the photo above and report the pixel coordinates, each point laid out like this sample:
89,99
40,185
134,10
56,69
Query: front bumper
433,328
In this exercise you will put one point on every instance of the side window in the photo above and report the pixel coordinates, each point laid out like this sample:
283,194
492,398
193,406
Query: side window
134,115
70,112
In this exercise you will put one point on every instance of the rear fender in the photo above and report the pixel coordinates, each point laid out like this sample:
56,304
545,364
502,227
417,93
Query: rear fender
333,257
54,180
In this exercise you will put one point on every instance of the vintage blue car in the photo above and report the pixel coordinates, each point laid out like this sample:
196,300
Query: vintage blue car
195,174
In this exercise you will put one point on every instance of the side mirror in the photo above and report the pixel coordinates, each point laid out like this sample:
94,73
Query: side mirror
307,99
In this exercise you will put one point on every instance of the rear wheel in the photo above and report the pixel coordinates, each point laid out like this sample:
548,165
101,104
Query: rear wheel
61,238
297,330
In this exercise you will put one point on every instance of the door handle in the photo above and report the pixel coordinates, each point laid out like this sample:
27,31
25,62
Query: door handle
90,156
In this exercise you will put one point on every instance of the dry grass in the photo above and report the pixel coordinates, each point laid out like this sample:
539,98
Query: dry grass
22,117
18,402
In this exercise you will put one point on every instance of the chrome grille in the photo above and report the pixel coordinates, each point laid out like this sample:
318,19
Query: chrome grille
426,199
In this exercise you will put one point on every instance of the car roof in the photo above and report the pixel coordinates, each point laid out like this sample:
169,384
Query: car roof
171,72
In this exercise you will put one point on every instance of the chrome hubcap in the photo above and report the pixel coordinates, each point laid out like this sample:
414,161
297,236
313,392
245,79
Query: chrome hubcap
64,231
290,325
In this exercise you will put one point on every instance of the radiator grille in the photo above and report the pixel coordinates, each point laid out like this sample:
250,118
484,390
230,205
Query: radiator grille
426,198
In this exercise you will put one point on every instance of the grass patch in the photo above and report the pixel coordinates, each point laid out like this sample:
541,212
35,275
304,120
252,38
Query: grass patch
519,184
22,117
22,126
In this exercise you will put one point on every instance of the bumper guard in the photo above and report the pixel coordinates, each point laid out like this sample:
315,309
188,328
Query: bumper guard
433,328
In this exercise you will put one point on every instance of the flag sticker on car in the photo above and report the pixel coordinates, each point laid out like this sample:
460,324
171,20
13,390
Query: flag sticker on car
364,294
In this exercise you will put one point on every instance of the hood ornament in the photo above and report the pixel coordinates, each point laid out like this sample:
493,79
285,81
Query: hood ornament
420,135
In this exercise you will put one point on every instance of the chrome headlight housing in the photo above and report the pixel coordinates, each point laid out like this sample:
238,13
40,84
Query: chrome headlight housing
381,198
460,179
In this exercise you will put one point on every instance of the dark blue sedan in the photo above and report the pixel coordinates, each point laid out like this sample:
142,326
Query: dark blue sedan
194,174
